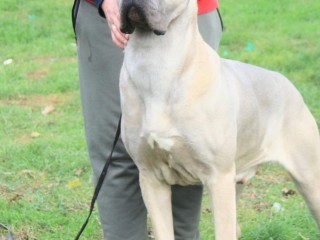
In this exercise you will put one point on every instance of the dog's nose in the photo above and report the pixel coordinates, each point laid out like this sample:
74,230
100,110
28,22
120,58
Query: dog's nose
132,15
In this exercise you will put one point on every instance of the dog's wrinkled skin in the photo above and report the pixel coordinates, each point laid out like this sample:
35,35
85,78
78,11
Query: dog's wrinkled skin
190,117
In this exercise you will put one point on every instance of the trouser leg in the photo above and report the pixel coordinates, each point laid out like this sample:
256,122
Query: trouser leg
211,27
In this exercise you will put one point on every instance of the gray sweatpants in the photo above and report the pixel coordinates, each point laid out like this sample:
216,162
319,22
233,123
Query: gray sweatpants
121,208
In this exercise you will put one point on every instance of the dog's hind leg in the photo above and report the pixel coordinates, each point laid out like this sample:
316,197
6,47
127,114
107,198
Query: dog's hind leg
306,177
302,160
157,198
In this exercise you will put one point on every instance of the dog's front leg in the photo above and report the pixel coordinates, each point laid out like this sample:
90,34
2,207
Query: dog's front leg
223,203
157,198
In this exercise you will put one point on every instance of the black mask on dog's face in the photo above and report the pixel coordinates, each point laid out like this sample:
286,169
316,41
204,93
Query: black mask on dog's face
133,15
148,15
142,14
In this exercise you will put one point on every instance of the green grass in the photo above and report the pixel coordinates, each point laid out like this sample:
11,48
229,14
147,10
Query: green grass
41,154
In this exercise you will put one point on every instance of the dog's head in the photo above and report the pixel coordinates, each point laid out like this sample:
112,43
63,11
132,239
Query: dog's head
149,15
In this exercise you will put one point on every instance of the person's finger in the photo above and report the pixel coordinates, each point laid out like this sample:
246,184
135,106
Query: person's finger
119,39
114,23
119,35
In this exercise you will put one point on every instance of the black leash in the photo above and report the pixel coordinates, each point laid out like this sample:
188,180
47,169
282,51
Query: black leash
10,235
100,181
74,14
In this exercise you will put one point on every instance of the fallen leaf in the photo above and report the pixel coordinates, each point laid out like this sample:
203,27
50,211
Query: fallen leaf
288,192
47,110
16,197
261,206
35,134
74,183
27,172
79,172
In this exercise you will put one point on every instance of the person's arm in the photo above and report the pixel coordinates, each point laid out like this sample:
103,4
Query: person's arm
109,9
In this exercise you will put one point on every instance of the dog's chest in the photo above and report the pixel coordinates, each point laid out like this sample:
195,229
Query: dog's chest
170,159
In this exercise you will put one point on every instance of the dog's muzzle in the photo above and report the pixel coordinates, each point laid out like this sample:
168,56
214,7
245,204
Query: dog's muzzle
133,15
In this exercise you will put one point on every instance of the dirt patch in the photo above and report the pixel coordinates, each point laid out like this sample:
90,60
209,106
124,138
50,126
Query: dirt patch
49,59
39,101
38,74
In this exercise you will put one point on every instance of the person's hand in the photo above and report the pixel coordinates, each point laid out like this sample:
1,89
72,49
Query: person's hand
111,10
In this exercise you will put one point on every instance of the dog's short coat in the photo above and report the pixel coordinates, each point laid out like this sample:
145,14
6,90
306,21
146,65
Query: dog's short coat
190,117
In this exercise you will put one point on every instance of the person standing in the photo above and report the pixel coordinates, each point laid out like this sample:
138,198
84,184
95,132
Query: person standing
123,215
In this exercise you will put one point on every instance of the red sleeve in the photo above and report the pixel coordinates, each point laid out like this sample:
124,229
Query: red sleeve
205,6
